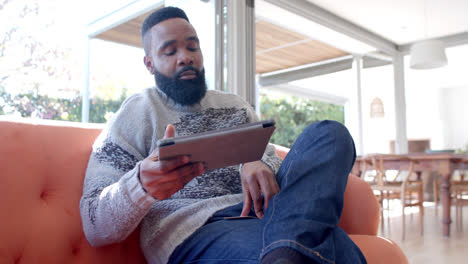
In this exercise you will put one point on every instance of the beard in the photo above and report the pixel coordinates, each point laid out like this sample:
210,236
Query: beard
183,92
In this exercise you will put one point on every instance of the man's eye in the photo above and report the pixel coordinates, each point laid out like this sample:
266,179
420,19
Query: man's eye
170,52
193,46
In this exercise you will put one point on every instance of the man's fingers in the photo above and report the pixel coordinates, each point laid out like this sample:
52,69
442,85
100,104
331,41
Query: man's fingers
165,166
254,190
182,174
168,165
269,187
170,131
247,203
163,187
197,169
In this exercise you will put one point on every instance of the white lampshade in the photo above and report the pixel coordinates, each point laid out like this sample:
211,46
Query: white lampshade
428,54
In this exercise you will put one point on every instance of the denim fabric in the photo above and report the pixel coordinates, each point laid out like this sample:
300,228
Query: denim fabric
304,215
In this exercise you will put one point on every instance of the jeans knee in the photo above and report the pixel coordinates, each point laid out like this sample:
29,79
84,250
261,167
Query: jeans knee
334,129
328,126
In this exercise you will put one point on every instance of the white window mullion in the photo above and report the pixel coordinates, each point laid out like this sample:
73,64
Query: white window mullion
241,49
220,49
85,91
401,141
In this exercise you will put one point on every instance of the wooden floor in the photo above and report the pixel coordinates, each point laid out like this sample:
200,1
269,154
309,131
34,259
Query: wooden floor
431,247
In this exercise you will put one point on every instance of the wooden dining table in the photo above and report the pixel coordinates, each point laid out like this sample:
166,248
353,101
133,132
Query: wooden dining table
442,163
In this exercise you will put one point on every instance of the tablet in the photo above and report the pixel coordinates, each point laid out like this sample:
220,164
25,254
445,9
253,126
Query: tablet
221,148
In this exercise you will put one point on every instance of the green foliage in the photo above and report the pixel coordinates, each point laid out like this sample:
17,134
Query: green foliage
44,107
101,110
463,150
293,114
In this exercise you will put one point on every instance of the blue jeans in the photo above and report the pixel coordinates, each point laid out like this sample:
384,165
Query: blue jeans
304,215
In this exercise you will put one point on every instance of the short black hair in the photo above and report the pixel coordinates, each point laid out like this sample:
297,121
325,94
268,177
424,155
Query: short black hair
161,15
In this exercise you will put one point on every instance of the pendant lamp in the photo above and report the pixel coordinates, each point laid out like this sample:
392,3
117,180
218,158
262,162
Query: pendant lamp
428,54
377,108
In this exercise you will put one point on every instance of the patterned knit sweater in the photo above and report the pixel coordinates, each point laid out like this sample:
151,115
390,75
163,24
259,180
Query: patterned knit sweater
114,202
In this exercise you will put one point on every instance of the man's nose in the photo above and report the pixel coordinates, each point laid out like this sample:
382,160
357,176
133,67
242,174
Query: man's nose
185,58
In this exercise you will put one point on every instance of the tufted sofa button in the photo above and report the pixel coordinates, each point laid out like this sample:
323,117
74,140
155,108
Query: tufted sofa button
75,251
77,245
43,195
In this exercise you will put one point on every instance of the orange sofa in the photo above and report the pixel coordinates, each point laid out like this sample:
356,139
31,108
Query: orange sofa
42,166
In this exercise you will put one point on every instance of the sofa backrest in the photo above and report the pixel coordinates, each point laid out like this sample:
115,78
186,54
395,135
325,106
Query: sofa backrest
42,166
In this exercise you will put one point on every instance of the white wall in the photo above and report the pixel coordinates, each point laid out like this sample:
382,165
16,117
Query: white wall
454,116
378,132
436,99
436,104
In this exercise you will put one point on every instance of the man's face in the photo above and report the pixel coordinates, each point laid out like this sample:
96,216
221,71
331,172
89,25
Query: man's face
175,58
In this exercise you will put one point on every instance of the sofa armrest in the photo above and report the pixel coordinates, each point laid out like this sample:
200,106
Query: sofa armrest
361,210
378,250
281,151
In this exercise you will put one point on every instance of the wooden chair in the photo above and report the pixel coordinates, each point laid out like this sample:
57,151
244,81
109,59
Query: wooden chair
458,193
402,186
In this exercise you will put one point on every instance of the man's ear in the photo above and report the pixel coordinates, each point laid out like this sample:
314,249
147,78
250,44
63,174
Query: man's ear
149,64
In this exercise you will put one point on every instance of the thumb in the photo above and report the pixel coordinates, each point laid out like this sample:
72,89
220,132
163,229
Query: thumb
170,131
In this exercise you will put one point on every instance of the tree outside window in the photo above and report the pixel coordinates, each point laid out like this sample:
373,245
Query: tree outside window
293,114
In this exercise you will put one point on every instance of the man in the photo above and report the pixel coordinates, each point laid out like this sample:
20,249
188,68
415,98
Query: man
289,213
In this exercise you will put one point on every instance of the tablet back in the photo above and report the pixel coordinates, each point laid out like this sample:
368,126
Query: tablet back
218,149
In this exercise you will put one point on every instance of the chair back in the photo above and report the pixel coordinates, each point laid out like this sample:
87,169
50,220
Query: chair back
381,163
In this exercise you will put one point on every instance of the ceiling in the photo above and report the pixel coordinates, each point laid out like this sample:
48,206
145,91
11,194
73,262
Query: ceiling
276,47
403,21
127,33
287,43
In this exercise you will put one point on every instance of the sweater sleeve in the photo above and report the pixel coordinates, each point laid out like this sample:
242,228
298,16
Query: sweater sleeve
270,158
113,201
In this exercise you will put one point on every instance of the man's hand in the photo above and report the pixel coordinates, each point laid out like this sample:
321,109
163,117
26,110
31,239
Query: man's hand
257,179
163,178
